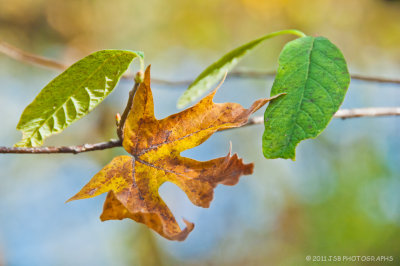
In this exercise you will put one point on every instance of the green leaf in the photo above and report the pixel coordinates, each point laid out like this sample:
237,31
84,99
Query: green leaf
313,74
73,94
212,74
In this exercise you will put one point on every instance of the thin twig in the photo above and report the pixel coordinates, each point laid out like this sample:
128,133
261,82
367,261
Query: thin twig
347,113
375,79
264,74
367,112
120,128
26,57
30,58
343,114
64,149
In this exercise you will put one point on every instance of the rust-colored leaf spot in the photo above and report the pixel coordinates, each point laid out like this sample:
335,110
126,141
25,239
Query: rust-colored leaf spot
132,182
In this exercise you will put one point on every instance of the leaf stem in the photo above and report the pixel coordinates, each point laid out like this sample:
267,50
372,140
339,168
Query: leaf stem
278,33
141,64
283,32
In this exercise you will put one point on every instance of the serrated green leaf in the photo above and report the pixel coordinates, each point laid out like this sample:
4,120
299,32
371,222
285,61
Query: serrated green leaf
72,95
212,74
313,74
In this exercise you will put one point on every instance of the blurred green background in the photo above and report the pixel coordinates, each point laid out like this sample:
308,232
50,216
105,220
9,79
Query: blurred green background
340,197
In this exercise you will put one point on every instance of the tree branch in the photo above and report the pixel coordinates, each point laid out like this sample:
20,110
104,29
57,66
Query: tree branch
64,149
347,113
19,55
343,114
367,112
33,59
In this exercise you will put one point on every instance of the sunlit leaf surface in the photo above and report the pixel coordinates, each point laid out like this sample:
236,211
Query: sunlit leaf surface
72,95
313,74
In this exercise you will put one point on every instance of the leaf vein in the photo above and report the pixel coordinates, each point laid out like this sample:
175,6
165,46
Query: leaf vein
325,89
73,94
330,74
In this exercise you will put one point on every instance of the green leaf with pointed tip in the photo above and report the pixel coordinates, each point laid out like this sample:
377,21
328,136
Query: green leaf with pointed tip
212,74
73,94
313,74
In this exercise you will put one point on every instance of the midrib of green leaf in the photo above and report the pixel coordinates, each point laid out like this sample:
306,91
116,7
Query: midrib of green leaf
302,94
73,94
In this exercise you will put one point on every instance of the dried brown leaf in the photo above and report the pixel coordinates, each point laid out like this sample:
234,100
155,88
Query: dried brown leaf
132,182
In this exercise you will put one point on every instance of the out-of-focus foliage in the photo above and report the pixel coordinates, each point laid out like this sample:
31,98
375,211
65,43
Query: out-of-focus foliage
209,26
